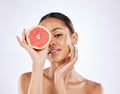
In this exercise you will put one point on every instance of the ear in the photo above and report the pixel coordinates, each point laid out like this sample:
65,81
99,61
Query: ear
74,38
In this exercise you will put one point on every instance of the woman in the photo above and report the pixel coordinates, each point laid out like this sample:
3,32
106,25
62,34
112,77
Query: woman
60,78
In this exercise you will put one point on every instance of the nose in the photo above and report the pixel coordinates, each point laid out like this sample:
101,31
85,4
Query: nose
52,42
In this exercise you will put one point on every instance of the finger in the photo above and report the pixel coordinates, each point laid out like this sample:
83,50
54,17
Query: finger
73,52
24,36
70,48
71,62
44,51
19,41
71,59
69,69
66,66
70,53
76,52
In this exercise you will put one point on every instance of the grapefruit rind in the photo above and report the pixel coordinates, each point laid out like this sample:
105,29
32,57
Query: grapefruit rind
45,45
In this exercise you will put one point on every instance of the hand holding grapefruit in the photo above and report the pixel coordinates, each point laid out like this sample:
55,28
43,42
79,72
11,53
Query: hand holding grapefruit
38,37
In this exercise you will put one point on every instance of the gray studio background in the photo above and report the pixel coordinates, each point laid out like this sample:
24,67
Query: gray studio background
97,23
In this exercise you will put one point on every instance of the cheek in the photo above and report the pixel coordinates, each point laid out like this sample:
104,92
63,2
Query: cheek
65,48
65,44
66,41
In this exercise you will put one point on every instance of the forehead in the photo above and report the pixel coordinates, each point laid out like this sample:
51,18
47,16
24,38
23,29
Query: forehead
51,23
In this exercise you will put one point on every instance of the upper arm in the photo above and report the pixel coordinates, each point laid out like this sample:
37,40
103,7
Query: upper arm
23,83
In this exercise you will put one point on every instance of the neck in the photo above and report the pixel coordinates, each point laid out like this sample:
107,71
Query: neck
54,67
72,76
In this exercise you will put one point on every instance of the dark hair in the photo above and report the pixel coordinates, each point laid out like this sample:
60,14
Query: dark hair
61,17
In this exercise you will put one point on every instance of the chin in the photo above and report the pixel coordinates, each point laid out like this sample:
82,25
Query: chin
57,58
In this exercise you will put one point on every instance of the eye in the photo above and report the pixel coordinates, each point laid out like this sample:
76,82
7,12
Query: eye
58,35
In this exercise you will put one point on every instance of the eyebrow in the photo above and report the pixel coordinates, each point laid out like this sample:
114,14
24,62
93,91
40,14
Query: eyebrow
56,28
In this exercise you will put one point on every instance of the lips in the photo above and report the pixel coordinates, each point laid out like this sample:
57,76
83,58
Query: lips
53,51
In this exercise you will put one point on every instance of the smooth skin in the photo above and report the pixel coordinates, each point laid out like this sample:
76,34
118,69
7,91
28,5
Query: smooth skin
60,77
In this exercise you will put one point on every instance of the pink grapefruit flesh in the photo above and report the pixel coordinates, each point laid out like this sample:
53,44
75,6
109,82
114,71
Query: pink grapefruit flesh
38,37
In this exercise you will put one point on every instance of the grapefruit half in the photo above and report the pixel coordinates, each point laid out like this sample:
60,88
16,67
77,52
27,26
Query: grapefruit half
38,37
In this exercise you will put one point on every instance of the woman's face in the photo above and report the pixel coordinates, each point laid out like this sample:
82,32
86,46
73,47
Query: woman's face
60,41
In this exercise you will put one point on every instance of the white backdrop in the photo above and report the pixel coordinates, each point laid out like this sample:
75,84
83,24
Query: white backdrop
97,23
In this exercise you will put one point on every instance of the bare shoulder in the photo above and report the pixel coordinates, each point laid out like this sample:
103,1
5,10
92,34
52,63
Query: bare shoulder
93,87
24,81
25,76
